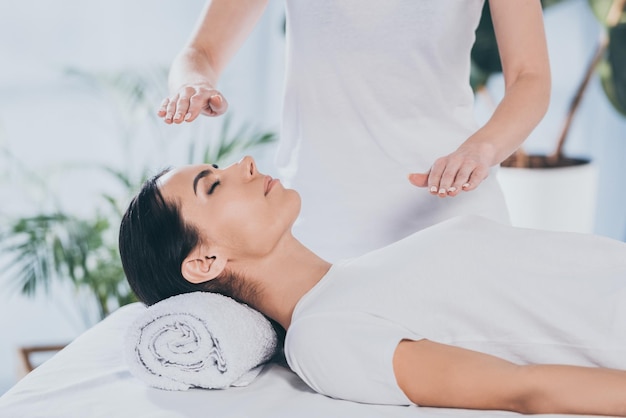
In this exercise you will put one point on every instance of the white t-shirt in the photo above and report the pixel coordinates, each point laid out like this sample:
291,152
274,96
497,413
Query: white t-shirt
376,90
523,295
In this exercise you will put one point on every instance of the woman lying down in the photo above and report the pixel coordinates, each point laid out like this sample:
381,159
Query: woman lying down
465,314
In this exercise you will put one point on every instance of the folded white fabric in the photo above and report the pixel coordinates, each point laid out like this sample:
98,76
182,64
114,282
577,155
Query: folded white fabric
201,340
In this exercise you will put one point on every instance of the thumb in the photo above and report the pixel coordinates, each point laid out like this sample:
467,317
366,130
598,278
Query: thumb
419,179
218,104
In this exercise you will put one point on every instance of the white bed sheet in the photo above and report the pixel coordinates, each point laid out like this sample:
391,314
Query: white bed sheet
90,379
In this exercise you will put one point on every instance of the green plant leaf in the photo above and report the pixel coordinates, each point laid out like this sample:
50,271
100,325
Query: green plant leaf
617,62
485,55
612,69
478,77
600,9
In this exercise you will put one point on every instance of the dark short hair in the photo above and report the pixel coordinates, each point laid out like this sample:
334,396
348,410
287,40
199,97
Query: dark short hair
154,240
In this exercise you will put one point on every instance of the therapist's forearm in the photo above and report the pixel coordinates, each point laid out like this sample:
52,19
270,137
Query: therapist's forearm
522,108
222,28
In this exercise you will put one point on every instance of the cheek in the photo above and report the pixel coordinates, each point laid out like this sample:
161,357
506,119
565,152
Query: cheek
248,227
254,226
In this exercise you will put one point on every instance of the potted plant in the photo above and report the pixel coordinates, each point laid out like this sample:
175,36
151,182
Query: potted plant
556,191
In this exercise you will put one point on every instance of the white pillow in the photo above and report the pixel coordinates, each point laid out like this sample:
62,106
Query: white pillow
201,340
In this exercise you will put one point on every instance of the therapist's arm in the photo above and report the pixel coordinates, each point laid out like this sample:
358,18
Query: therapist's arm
525,65
222,28
439,375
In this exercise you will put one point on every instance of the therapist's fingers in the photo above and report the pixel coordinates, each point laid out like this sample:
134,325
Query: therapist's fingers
209,103
183,104
217,105
462,179
466,180
419,179
168,108
189,102
447,181
462,170
479,174
443,175
163,108
434,177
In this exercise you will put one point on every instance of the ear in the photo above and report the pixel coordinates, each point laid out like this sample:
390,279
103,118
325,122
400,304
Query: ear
202,265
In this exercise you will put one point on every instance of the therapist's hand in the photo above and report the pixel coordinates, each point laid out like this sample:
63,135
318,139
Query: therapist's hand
191,101
463,170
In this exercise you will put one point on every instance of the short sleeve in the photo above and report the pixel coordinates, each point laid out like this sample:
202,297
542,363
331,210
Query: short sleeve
348,356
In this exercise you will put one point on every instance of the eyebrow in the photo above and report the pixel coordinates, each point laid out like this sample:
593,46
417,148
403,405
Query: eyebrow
199,177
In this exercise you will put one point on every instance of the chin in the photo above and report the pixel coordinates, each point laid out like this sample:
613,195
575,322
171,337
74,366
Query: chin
296,204
298,200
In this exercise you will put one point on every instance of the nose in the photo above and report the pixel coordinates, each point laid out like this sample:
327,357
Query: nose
248,166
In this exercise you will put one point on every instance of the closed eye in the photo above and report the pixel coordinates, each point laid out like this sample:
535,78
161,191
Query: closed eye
213,186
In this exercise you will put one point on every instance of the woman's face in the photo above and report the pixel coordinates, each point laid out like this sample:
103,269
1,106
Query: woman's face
237,207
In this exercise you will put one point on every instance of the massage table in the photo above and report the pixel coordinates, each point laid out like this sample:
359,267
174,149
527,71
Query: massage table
89,378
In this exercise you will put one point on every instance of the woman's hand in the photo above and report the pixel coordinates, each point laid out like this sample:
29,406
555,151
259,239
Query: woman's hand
526,69
463,170
223,26
190,101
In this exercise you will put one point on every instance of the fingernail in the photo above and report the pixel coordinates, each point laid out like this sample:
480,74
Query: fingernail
433,189
452,189
466,185
442,191
188,116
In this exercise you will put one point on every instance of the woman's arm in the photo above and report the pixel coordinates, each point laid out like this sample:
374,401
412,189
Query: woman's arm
221,30
522,45
433,374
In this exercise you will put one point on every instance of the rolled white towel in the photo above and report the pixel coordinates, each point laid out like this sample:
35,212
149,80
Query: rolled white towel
201,340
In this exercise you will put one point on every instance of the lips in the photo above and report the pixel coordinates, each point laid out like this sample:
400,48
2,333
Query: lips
268,184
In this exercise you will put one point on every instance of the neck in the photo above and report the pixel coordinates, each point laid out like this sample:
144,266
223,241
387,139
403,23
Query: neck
282,278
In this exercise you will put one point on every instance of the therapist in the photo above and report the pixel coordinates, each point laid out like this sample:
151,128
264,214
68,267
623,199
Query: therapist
377,101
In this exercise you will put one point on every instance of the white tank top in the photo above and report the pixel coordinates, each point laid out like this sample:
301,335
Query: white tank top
375,90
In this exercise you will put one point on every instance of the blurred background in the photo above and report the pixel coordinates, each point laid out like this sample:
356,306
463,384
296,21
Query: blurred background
80,83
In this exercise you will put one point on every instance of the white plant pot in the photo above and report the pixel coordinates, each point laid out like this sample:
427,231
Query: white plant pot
557,199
